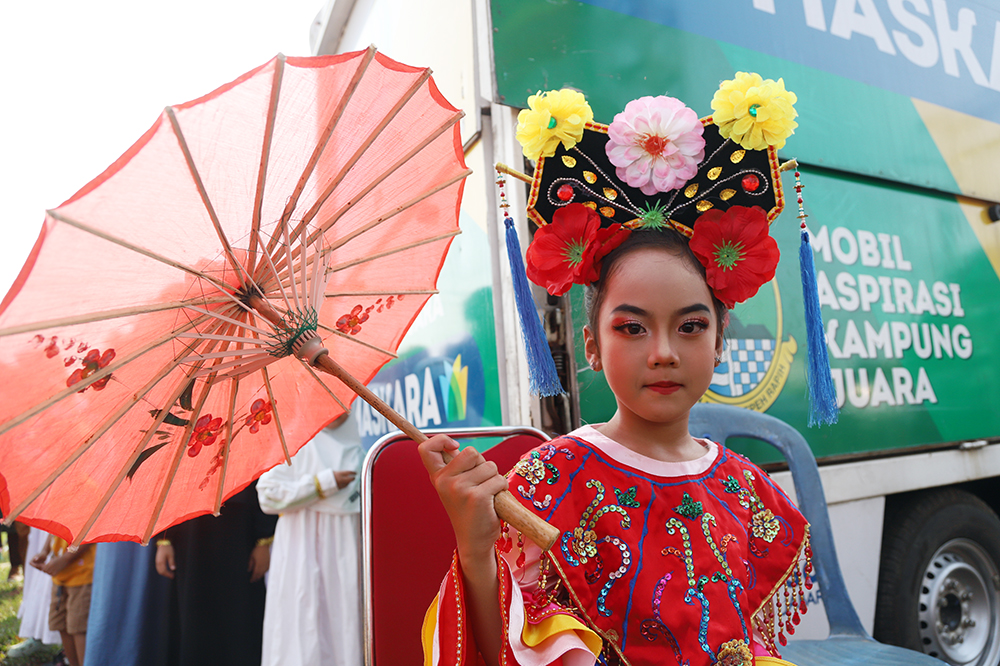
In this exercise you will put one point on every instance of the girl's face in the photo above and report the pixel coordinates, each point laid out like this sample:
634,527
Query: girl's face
657,338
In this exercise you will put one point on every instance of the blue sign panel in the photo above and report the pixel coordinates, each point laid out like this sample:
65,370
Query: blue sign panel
441,390
942,51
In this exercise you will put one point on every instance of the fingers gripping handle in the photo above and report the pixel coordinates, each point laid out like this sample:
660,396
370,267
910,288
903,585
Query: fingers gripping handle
514,514
507,507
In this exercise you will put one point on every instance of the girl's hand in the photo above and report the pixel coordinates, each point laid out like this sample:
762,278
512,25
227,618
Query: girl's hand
466,486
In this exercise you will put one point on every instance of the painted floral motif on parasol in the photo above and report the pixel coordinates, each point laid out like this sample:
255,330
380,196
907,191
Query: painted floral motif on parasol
206,431
216,465
260,414
351,322
92,362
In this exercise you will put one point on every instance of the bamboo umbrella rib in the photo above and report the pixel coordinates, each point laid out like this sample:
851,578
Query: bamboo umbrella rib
233,364
196,176
231,338
233,391
106,316
103,428
229,320
365,145
317,285
323,384
265,154
396,250
357,341
375,181
274,275
223,354
277,417
401,292
352,87
100,374
243,366
340,242
174,464
290,266
225,288
248,368
302,269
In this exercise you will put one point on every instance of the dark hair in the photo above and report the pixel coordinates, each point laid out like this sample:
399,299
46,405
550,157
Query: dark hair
672,242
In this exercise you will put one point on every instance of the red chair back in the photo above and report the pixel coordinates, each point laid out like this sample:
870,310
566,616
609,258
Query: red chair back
407,539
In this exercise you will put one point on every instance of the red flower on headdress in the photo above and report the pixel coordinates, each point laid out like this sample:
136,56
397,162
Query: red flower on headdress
570,248
736,250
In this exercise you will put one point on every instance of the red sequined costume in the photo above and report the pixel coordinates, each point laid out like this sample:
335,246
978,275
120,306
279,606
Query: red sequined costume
695,563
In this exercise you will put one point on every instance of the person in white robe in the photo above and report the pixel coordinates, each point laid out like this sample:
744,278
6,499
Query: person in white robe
36,596
312,614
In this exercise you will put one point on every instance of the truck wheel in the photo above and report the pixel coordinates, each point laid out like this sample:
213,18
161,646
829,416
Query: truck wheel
939,580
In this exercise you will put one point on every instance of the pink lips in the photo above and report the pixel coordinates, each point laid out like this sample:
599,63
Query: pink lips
666,388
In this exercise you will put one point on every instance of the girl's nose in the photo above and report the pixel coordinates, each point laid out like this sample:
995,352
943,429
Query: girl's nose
664,353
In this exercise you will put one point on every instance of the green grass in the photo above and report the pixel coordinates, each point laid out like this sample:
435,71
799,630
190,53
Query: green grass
10,601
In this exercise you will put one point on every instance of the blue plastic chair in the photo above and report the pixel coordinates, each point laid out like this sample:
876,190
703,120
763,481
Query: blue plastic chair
848,642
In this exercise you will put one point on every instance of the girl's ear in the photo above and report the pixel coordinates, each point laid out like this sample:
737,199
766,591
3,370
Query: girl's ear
719,346
590,349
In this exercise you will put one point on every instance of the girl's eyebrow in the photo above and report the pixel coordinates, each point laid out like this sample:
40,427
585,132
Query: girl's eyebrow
631,309
639,312
697,307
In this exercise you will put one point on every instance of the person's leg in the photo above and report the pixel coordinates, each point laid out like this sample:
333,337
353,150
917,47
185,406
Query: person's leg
81,645
14,553
22,540
69,648
77,616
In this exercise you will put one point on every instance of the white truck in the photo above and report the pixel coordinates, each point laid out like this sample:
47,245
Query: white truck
899,146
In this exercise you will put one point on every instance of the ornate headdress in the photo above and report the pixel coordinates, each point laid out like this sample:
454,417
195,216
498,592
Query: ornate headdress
659,168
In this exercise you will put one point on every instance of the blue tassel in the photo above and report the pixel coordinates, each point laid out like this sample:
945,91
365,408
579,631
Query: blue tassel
541,368
822,395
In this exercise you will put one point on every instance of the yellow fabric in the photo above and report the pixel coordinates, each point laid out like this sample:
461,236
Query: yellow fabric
536,634
79,572
772,661
427,631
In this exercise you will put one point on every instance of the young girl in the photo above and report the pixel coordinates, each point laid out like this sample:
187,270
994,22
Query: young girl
673,549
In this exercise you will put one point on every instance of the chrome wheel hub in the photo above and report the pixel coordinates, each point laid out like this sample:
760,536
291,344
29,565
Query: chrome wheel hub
959,609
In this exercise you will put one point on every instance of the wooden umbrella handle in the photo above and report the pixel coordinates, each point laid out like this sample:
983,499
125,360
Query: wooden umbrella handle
507,507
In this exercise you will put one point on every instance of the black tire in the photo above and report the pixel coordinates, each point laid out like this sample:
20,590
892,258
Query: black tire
939,579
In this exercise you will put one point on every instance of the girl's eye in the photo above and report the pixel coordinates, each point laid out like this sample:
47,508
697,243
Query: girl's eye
694,326
629,328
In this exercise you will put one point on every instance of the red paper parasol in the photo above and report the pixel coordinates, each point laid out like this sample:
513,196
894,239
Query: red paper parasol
149,344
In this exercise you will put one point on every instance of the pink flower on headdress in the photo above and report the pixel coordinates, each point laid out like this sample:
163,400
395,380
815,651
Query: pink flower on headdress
736,250
569,250
656,143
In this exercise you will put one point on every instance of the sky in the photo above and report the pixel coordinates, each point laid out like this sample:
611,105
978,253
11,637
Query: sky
84,79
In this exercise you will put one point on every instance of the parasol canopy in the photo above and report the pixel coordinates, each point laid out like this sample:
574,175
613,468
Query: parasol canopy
156,344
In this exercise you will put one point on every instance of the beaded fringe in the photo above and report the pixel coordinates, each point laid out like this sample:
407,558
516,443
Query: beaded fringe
779,616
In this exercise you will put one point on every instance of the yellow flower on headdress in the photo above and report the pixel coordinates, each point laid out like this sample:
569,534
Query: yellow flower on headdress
754,112
553,116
